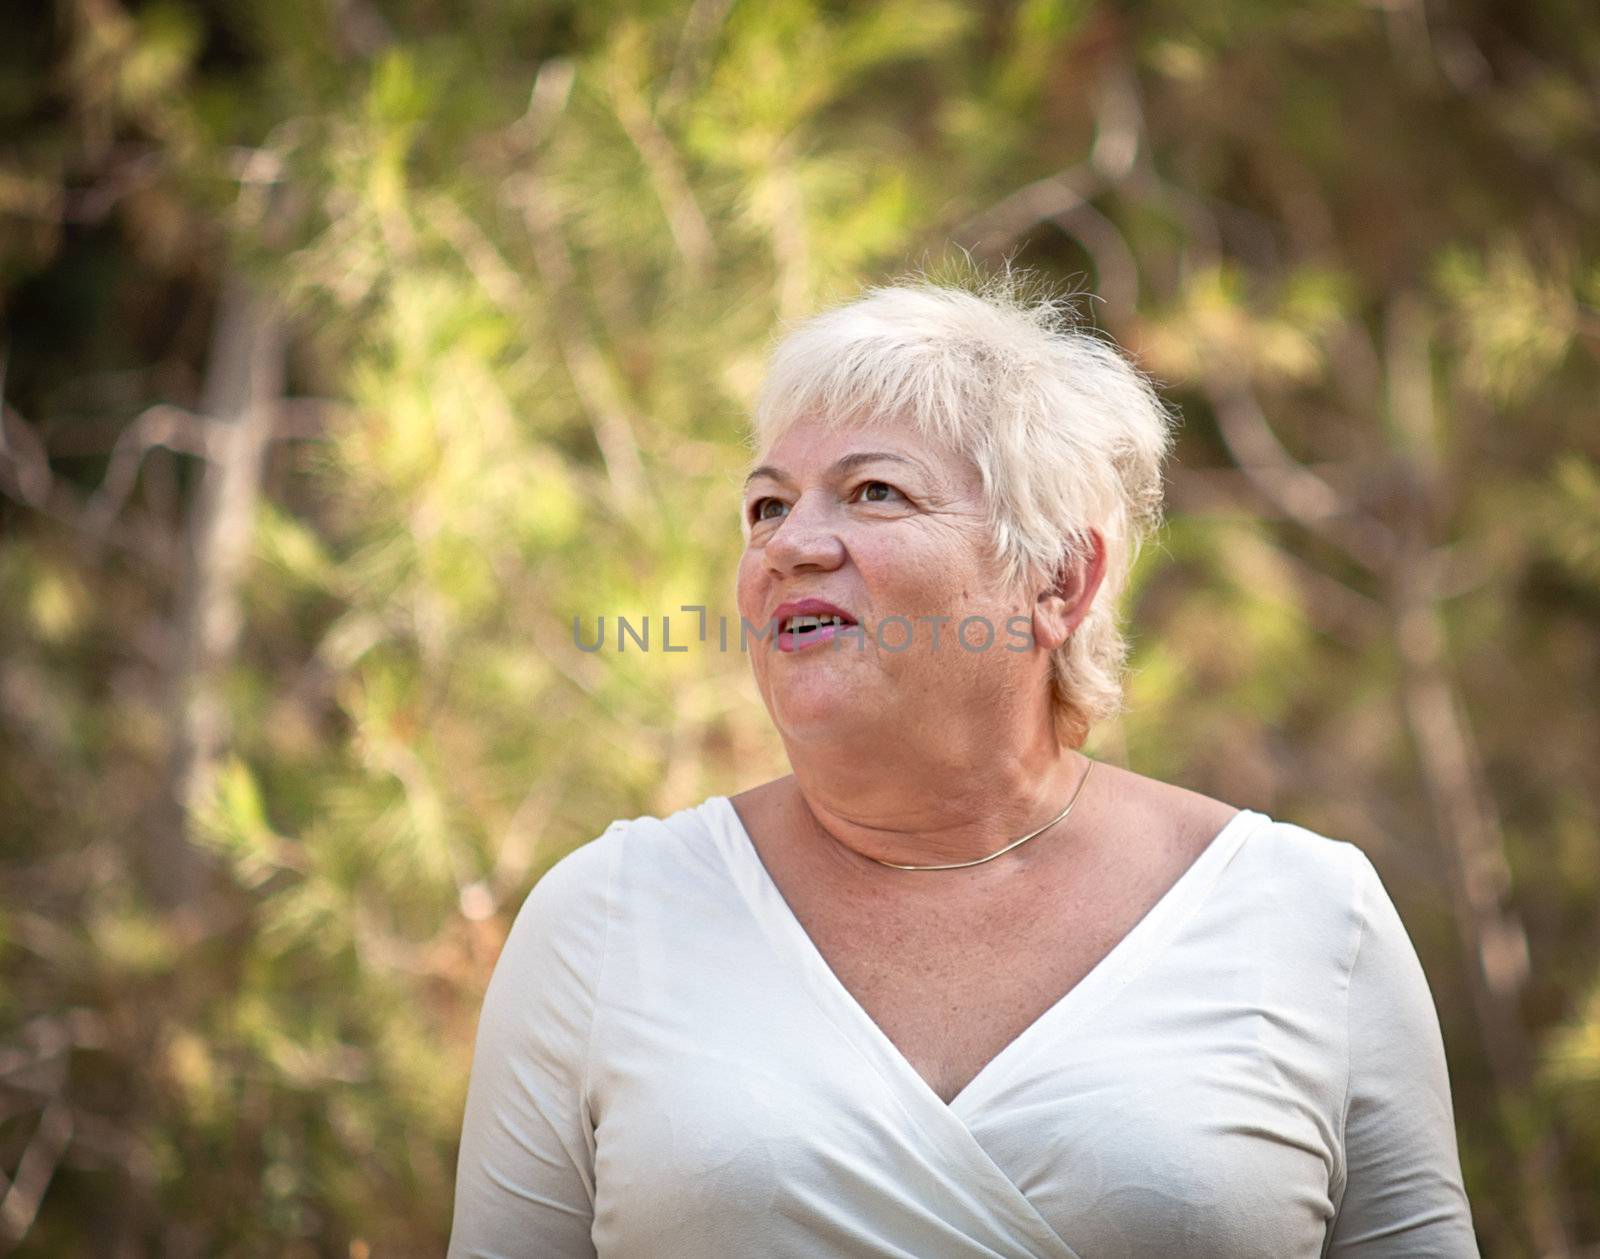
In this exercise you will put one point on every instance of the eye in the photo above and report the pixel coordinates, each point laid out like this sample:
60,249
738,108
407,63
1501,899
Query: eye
758,509
867,491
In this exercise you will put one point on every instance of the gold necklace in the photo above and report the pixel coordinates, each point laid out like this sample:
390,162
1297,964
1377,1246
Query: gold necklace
978,861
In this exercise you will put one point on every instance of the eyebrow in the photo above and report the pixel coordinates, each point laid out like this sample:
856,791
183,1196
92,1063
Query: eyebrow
842,465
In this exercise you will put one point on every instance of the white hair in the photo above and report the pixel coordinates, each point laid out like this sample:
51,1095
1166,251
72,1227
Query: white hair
1064,431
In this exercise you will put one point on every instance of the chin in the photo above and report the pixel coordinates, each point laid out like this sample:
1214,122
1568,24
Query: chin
815,707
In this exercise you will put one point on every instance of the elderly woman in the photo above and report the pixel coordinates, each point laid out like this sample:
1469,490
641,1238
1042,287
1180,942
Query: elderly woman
950,988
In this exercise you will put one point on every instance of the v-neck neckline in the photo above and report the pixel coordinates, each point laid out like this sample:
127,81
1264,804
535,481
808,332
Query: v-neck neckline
1137,947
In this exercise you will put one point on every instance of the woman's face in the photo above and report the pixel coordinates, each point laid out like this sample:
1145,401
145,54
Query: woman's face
881,525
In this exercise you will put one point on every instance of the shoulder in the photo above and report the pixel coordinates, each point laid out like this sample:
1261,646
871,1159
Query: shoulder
577,885
557,941
643,879
1336,892
637,851
1296,858
1304,896
1273,855
561,931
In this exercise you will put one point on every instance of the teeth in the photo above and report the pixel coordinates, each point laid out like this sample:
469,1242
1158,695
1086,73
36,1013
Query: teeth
803,624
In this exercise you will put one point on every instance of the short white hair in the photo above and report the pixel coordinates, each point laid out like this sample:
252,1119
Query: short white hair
1066,433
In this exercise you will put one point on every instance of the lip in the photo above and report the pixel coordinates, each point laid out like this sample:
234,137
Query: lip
787,642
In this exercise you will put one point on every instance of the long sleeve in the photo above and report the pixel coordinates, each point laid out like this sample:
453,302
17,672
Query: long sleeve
525,1176
1403,1191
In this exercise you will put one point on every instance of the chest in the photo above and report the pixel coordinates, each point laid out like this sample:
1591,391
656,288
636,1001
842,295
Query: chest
736,1085
953,966
951,982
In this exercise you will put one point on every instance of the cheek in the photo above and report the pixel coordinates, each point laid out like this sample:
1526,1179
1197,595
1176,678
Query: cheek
745,581
928,585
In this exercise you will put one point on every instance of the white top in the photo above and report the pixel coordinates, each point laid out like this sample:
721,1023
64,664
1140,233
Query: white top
667,1068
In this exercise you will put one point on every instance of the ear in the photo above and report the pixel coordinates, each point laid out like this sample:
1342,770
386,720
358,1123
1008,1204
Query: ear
1066,601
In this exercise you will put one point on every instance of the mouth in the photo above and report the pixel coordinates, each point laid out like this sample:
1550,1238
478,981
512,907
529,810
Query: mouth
796,633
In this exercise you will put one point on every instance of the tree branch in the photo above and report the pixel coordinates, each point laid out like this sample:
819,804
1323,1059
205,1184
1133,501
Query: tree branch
244,381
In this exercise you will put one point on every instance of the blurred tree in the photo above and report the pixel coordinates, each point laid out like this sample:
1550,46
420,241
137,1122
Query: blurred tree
352,349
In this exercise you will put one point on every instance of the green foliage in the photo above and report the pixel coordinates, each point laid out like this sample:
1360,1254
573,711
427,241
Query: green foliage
531,256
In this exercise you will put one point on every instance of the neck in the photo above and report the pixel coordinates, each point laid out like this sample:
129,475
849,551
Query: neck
911,803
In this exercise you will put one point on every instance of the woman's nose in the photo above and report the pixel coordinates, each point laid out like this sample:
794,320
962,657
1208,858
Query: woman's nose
806,538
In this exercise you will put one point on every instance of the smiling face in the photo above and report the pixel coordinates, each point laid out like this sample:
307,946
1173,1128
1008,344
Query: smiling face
880,524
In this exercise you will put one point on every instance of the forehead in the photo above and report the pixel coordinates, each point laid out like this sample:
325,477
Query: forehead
809,448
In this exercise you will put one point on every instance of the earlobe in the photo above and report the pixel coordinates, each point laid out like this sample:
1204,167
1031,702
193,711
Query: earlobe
1052,610
1050,627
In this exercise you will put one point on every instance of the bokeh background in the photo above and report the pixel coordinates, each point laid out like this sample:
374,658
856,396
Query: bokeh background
352,348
